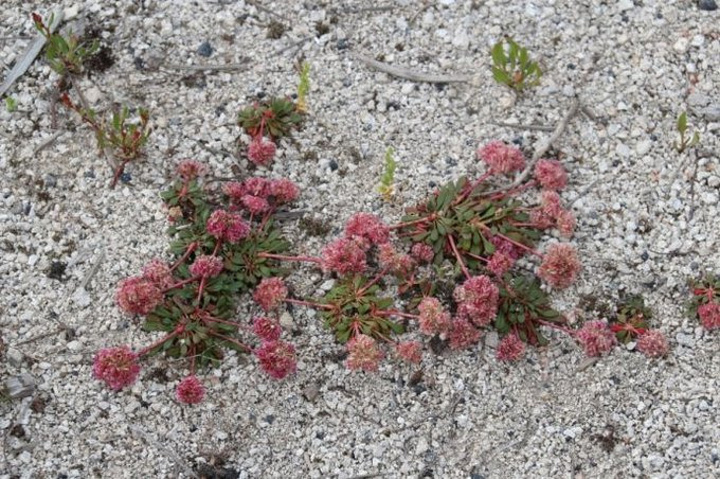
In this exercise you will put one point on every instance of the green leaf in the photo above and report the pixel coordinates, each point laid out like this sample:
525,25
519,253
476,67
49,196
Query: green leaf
682,122
498,54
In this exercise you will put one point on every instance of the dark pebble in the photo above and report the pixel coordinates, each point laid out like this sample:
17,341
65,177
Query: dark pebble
571,66
419,389
432,184
50,181
333,165
320,435
342,44
125,177
139,63
707,5
475,475
347,82
644,256
653,137
269,419
90,174
450,161
205,49
518,141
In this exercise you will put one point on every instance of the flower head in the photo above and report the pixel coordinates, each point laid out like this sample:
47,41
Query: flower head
267,329
277,358
190,390
227,226
511,348
501,158
207,266
463,334
270,293
422,253
234,190
261,151
191,169
477,300
709,314
505,247
255,204
652,343
284,191
344,256
560,265
117,367
369,227
257,186
394,262
138,295
499,263
159,273
565,223
364,353
433,318
410,351
596,338
550,174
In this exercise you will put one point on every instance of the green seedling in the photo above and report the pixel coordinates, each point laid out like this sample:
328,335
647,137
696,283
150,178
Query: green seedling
65,55
303,88
685,141
387,182
10,104
513,66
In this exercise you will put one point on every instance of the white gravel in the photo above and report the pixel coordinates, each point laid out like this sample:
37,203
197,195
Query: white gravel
641,230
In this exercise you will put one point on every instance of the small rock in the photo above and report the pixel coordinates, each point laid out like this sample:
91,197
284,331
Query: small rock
81,297
422,446
711,113
14,357
681,45
707,5
50,180
74,345
685,340
286,321
625,5
311,392
461,39
622,150
20,386
333,165
93,95
71,12
205,49
327,285
643,147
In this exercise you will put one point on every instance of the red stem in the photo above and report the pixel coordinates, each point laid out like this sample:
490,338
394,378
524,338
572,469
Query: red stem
181,283
519,245
180,329
191,247
282,257
118,172
390,312
565,330
225,338
309,303
459,258
377,278
425,219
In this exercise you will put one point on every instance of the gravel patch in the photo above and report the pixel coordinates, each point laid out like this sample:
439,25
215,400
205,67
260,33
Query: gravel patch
647,220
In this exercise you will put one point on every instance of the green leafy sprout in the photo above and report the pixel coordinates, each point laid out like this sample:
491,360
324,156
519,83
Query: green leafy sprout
685,141
303,88
387,181
513,67
65,55
10,104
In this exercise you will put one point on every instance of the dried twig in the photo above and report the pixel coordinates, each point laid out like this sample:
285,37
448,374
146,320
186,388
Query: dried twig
523,127
93,270
48,142
542,148
407,74
165,450
196,68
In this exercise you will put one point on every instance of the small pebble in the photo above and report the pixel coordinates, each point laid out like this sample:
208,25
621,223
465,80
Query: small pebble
707,5
205,49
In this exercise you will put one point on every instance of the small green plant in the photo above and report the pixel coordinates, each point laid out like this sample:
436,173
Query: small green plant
387,182
65,55
274,118
685,141
10,104
631,319
513,66
303,88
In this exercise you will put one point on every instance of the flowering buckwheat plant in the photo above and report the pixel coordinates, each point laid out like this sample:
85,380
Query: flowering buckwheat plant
222,247
705,304
265,123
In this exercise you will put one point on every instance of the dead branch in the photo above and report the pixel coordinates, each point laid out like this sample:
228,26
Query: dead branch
408,74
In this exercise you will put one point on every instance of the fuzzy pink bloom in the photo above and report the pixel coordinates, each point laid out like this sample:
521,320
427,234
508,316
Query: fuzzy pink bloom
560,265
550,174
709,314
565,223
257,186
364,353
596,338
117,367
344,256
284,191
277,358
463,334
270,293
367,226
394,262
423,253
507,248
267,329
499,263
433,318
234,190
191,169
206,266
550,203
261,151
477,300
652,343
511,348
541,219
255,204
501,158
410,351
227,226
138,295
159,273
190,390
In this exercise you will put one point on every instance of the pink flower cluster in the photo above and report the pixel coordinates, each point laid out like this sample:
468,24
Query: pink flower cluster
259,195
261,151
368,227
270,293
550,174
364,353
410,351
138,295
344,256
560,265
499,263
396,263
433,318
227,226
463,334
501,158
422,253
596,338
191,169
709,314
158,272
117,367
267,329
477,300
277,358
190,390
550,213
652,343
206,266
511,348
